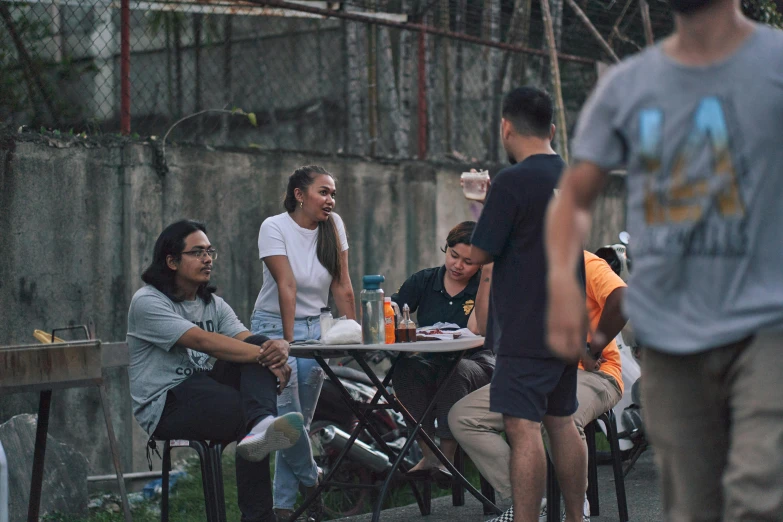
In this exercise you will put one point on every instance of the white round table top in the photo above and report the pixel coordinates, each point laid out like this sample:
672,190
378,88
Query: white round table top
457,345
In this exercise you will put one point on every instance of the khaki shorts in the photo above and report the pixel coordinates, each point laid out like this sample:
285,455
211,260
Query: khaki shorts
715,421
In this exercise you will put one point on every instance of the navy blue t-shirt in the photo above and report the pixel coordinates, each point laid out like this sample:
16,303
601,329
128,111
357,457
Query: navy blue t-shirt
511,229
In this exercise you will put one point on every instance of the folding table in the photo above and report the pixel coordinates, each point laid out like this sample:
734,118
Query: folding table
359,352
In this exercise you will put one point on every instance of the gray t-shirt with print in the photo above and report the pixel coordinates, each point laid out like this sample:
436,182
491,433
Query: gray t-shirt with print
157,362
704,158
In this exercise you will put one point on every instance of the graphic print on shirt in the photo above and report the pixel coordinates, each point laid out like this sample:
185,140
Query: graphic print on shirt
692,195
200,359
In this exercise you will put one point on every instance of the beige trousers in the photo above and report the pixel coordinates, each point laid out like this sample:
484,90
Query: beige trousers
478,430
715,420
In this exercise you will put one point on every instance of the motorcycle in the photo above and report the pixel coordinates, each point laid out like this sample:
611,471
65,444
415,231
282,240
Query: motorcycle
627,412
365,464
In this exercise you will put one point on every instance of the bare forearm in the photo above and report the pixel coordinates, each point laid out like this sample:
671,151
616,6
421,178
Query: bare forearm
611,322
566,229
345,301
473,325
481,310
287,301
219,346
569,218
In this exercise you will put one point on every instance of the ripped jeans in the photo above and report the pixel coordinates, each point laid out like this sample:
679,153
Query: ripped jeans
294,465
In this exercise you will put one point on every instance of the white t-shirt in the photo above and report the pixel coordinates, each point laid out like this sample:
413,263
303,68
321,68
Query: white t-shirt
281,236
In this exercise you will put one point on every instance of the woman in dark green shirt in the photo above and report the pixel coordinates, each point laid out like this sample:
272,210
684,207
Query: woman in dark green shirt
444,294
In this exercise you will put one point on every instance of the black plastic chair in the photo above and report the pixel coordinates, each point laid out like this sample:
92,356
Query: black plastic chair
553,488
209,453
457,490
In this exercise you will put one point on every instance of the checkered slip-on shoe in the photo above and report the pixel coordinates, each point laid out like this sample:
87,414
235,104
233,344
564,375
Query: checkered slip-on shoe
506,516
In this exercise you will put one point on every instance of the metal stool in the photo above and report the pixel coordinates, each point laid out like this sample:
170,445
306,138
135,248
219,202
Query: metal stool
209,453
553,488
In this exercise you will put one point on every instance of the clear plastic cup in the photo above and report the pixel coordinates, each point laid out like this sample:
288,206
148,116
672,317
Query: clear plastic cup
475,184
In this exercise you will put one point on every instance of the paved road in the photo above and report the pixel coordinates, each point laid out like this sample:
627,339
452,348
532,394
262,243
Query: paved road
641,486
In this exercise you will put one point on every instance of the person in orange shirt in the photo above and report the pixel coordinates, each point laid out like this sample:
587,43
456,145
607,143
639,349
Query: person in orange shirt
599,389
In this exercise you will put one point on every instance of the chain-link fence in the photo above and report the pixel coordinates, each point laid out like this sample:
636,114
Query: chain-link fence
385,78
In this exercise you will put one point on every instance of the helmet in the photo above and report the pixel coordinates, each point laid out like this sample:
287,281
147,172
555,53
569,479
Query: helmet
618,258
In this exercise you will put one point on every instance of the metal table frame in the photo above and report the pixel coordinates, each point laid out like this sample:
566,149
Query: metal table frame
359,352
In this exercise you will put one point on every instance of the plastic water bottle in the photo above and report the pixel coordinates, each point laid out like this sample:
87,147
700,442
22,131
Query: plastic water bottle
373,323
326,320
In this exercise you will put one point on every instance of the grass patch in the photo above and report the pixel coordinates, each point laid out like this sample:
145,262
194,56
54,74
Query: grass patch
186,500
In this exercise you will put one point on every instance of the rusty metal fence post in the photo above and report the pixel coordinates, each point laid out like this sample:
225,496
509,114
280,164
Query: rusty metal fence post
125,96
422,90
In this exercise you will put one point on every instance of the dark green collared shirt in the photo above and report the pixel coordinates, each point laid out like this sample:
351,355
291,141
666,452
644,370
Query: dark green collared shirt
424,293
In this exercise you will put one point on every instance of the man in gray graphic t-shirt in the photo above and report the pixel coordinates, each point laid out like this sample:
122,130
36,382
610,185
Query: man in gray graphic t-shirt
176,326
696,120
155,324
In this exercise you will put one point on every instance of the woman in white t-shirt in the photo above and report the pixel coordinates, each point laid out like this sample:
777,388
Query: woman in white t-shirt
305,255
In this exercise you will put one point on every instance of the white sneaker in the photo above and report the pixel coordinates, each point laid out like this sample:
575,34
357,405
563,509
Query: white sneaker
585,512
279,434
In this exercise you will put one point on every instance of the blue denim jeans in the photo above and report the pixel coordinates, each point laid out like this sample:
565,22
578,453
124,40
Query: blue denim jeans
294,465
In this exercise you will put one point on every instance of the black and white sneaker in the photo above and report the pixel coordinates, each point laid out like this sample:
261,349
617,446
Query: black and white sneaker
506,516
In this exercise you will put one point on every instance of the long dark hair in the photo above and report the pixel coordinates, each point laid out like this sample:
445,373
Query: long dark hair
171,242
328,249
460,234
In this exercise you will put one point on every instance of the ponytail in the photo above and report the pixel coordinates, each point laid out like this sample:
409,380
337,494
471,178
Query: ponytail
328,248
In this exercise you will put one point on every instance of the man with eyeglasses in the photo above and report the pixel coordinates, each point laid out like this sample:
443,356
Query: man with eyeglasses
176,327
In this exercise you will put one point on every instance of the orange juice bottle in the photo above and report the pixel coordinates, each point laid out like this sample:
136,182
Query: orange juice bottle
388,320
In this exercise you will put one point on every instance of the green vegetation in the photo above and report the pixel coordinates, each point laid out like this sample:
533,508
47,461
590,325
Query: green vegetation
187,499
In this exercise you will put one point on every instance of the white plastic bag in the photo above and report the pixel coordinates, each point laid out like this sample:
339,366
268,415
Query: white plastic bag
346,331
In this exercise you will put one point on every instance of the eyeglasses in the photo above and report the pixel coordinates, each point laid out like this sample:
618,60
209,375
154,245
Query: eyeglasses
201,253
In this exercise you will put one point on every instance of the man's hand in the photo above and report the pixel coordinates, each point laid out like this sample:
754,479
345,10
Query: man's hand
283,373
273,354
567,319
592,364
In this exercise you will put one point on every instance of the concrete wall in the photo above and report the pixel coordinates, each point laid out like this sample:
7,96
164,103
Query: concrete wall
78,225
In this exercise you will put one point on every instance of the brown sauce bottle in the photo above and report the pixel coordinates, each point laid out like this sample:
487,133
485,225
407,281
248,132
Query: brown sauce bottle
406,330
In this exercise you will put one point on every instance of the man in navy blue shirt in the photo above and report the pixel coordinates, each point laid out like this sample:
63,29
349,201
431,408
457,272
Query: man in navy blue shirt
530,385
